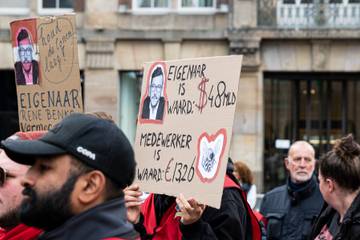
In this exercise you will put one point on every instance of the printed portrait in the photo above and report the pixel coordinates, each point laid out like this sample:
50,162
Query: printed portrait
25,58
154,100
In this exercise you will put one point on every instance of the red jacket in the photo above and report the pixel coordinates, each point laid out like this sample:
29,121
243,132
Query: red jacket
21,232
169,226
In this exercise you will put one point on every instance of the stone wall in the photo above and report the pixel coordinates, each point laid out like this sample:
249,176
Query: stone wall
311,55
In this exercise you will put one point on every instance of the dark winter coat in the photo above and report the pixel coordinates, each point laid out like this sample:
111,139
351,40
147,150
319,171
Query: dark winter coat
350,227
290,213
105,221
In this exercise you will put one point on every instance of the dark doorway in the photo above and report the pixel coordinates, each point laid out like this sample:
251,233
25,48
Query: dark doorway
316,107
9,122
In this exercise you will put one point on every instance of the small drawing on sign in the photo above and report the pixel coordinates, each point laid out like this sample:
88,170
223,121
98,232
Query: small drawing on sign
208,158
210,154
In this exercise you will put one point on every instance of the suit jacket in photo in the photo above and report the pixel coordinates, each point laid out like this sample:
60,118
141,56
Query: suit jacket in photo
19,74
146,109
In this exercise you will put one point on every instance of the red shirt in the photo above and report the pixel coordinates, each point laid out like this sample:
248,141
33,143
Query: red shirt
20,232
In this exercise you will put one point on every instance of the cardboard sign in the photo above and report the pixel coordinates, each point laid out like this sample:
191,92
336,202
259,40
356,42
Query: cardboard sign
184,127
46,70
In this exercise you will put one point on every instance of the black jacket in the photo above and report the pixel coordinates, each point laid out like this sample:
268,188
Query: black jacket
146,109
230,222
350,227
290,213
103,221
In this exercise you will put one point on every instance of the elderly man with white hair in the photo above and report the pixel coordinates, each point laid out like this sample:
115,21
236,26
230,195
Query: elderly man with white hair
292,208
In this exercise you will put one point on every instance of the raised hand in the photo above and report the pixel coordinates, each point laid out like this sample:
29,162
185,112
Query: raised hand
191,210
132,202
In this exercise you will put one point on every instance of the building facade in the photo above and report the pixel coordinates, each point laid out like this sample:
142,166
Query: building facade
299,78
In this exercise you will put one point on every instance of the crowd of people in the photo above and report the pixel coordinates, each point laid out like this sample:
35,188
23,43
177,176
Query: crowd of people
75,181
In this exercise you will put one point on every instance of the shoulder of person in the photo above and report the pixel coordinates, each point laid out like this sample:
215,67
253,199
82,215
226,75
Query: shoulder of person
232,198
274,192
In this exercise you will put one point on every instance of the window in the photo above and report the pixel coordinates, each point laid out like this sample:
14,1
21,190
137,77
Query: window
130,87
197,6
289,1
197,3
14,7
151,6
153,3
55,6
335,1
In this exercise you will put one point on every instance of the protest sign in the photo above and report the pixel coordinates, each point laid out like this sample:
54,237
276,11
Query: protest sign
46,70
184,127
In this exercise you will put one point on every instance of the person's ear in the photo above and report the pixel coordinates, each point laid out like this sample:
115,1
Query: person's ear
330,184
90,188
287,162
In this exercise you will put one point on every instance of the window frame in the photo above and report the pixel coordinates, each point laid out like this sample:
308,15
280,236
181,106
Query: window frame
150,10
15,11
285,3
124,79
197,10
52,11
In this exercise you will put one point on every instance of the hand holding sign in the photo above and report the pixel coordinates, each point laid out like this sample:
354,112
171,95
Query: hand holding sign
191,210
132,202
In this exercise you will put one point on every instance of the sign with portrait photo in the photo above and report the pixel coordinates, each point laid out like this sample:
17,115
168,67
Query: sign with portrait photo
46,70
184,129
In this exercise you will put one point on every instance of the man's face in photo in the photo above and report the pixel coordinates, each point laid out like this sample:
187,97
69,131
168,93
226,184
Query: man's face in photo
155,90
25,53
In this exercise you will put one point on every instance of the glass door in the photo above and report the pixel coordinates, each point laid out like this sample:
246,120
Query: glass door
318,108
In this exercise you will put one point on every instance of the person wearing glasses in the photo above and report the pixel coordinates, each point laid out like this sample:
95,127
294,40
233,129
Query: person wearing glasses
292,208
11,174
26,68
153,105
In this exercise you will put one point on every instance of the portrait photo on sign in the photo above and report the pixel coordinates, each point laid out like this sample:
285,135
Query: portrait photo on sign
154,100
25,58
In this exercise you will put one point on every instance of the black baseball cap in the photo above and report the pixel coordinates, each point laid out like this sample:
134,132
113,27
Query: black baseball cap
96,142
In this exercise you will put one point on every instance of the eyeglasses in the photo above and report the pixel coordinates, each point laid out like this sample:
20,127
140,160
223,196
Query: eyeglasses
156,87
3,176
25,52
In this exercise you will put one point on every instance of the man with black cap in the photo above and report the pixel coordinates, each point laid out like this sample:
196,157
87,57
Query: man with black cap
73,189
